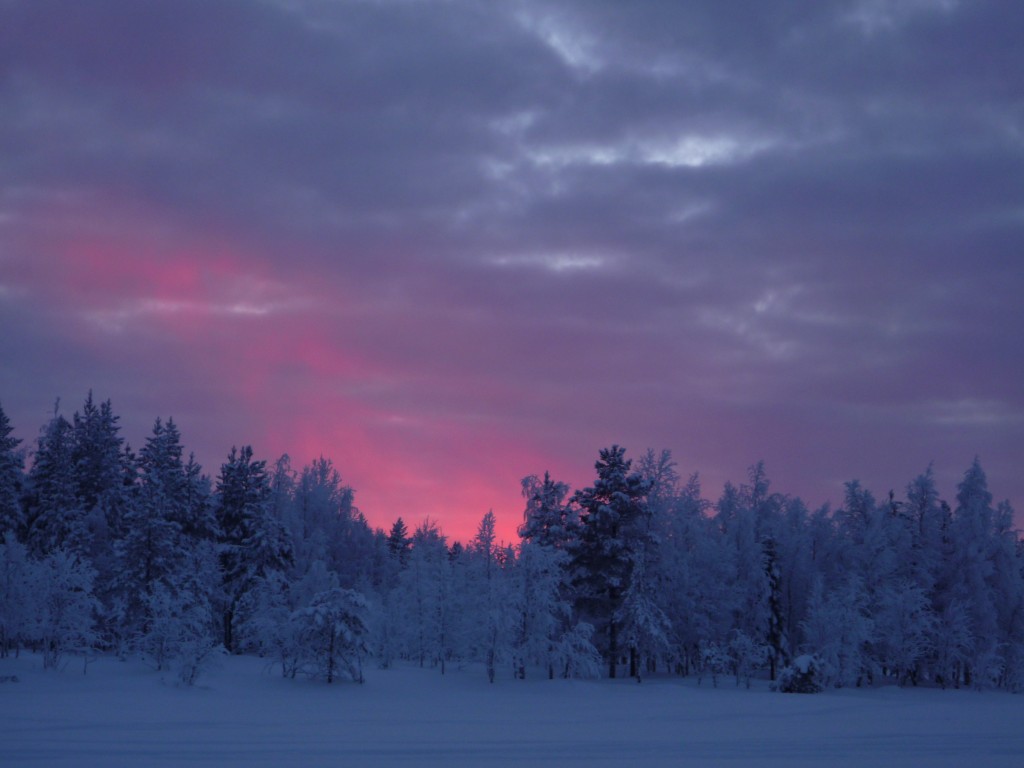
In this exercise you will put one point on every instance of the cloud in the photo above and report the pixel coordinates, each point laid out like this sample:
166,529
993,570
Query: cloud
452,245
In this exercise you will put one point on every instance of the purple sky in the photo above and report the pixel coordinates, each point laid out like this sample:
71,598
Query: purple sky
449,244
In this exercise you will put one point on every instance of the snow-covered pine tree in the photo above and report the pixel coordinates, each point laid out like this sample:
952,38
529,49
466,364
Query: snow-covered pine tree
199,523
283,481
776,639
103,495
150,554
398,542
12,467
253,544
541,588
328,526
54,519
611,510
99,473
547,519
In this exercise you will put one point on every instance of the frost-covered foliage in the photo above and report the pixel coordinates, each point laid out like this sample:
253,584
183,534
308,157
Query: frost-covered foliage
839,629
905,626
490,593
331,632
17,601
63,614
574,654
612,516
178,635
426,627
107,550
714,660
748,656
12,465
645,629
803,675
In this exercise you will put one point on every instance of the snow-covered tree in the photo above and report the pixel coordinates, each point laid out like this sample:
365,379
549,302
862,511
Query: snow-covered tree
575,654
12,466
697,573
547,519
923,514
973,564
953,645
488,598
253,543
97,456
151,553
177,633
199,523
16,593
541,609
602,564
644,627
399,541
544,631
1007,583
776,638
333,631
64,609
904,628
325,525
748,654
423,600
269,622
54,519
838,629
749,586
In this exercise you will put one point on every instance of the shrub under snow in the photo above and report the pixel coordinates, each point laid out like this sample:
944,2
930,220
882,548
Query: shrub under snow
804,675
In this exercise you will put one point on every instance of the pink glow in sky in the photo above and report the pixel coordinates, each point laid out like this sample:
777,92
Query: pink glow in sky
448,246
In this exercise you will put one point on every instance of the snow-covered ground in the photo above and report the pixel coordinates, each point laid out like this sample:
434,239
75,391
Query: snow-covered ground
241,714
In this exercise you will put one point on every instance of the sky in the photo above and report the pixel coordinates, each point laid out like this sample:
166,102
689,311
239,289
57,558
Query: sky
451,244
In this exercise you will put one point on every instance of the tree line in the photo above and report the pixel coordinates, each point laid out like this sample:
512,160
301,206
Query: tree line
108,550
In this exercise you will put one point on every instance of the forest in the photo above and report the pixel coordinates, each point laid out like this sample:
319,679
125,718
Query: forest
109,551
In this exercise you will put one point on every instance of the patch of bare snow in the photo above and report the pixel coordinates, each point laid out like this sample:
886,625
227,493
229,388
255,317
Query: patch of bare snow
124,714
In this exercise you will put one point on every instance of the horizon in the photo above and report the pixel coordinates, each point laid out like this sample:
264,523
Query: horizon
507,525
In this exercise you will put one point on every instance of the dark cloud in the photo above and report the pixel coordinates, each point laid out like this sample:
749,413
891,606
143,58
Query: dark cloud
451,244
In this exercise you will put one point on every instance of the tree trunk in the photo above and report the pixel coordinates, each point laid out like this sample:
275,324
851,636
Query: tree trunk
330,659
228,640
613,648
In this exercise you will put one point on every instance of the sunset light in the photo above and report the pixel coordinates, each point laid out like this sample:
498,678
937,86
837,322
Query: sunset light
533,233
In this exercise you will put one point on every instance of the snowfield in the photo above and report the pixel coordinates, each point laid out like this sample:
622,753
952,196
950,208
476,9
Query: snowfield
243,714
